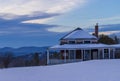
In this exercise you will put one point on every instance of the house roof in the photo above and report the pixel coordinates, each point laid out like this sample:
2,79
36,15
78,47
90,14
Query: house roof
81,46
116,45
79,34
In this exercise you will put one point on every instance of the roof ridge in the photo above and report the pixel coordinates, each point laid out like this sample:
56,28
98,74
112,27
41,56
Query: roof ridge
72,31
78,28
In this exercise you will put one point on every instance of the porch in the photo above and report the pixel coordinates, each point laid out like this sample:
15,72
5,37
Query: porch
77,54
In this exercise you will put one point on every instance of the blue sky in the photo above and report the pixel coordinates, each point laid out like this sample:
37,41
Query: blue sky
44,22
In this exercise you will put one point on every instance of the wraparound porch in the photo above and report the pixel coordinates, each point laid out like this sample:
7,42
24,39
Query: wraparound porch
76,55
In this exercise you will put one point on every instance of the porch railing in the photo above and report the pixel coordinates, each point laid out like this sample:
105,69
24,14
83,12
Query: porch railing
61,61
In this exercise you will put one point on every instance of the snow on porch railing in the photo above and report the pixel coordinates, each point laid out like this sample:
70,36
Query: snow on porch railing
61,61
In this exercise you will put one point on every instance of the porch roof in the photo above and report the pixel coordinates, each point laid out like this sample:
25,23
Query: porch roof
81,46
116,45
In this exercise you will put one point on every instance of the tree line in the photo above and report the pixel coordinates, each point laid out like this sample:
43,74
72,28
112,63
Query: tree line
10,60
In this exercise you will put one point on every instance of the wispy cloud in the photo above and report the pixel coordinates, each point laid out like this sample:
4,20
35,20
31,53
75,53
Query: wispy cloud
108,20
23,7
15,24
109,32
60,29
31,16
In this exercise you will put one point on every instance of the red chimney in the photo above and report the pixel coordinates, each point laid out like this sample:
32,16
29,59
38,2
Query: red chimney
96,30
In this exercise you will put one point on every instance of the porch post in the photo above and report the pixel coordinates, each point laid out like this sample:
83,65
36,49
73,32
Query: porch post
74,54
98,54
114,53
103,53
48,56
109,52
82,53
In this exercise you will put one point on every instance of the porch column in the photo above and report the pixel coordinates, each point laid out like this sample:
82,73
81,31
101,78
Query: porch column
114,53
98,56
109,52
65,56
74,54
103,53
48,57
82,54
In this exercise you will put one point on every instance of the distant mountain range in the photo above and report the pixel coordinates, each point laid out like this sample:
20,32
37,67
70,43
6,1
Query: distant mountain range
23,50
110,27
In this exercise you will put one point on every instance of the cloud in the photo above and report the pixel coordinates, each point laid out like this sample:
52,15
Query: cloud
65,5
109,20
32,16
26,7
61,29
23,7
109,32
39,21
11,24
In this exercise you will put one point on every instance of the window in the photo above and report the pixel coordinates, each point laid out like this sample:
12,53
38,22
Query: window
72,54
106,53
63,42
71,42
87,54
79,42
86,42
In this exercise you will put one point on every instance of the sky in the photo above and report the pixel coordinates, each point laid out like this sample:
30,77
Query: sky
44,22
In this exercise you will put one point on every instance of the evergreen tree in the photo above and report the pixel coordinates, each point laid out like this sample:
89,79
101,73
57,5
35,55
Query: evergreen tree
106,39
116,40
36,59
7,59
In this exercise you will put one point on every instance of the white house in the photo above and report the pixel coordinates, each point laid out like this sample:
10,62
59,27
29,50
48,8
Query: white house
79,45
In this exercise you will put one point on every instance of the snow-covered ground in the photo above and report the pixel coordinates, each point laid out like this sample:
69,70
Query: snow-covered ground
96,70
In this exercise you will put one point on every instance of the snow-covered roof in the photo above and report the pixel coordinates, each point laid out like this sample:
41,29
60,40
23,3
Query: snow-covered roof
116,46
79,34
80,46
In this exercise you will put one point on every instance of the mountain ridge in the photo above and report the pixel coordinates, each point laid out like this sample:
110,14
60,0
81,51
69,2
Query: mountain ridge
23,50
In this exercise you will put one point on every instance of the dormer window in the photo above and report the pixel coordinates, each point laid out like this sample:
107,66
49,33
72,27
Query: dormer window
63,42
79,41
87,42
71,42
